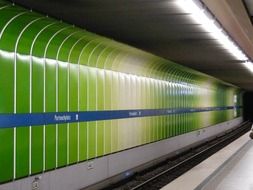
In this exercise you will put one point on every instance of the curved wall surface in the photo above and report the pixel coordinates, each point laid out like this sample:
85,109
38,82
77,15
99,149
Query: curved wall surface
67,95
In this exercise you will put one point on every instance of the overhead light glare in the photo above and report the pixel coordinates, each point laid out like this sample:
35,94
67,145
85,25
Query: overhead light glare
248,65
202,16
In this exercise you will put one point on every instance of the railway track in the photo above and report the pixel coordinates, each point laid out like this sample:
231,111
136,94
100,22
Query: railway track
163,173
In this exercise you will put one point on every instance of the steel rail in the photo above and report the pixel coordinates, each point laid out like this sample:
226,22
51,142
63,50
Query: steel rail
231,134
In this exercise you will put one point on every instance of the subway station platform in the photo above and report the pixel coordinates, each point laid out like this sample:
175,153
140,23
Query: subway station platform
230,168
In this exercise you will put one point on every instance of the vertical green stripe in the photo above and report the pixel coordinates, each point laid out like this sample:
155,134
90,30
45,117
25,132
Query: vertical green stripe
6,102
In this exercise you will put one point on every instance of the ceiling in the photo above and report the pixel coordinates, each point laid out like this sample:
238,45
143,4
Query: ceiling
249,7
160,27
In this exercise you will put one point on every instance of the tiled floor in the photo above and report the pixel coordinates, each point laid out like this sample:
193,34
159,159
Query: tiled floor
199,176
238,174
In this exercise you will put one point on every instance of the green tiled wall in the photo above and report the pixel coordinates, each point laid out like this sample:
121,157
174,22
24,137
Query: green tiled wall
49,66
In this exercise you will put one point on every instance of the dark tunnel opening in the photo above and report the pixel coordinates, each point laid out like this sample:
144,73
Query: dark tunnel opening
248,106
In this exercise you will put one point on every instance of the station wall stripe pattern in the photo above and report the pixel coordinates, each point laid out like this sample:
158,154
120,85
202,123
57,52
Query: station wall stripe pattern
50,68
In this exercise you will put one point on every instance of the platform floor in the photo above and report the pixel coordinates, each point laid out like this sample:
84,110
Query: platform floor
238,173
229,168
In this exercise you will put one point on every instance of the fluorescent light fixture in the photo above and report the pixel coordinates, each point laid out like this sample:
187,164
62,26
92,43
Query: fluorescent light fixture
202,16
248,65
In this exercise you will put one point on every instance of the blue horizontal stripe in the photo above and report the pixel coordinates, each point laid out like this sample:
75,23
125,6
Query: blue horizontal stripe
36,119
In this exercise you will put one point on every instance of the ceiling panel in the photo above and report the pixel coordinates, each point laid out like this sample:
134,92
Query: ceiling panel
249,6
